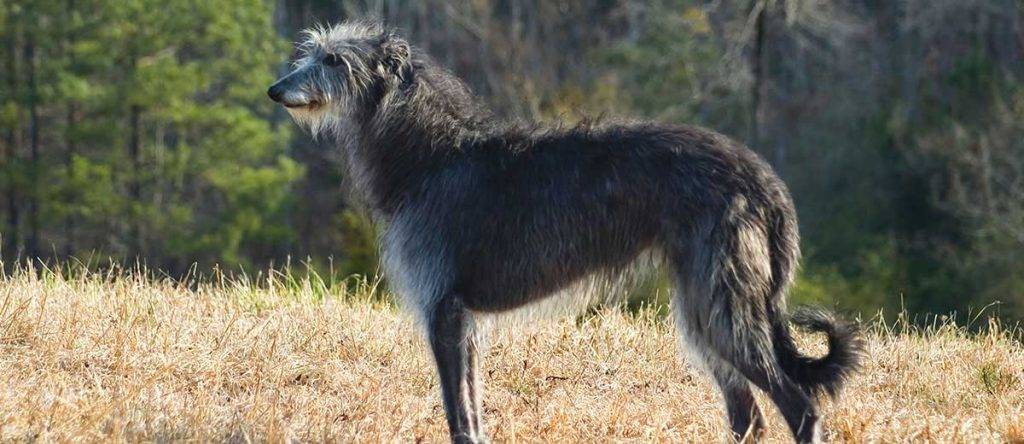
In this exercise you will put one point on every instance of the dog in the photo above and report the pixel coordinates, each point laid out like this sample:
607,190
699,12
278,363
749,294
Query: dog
482,215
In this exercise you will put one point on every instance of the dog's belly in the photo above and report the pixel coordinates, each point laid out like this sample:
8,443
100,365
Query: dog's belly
534,266
497,293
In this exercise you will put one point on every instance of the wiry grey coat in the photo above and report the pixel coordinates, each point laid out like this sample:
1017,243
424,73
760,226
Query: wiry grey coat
481,215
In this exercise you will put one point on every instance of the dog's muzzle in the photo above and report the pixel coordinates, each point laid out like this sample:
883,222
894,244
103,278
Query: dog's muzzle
286,92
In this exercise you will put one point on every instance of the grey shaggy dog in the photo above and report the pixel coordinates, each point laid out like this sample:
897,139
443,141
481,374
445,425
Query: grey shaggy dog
481,215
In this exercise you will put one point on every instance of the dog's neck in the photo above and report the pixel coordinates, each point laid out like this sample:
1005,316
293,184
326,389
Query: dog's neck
403,136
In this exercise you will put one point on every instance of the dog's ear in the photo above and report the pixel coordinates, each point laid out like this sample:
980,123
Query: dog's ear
396,55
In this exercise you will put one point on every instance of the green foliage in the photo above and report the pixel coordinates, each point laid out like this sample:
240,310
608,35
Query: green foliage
658,74
359,240
879,283
662,69
200,174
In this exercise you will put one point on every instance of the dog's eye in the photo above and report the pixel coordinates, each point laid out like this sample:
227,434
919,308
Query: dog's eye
332,60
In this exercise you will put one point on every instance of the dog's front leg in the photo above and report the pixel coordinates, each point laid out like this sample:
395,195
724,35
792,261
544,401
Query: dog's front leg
450,326
476,388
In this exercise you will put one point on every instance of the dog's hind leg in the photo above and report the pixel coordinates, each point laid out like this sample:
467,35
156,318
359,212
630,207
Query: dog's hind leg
733,357
745,418
451,328
724,279
799,409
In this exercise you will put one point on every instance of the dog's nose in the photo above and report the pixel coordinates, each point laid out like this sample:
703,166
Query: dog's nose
276,92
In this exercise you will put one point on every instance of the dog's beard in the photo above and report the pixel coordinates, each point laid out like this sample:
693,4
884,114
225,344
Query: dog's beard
319,121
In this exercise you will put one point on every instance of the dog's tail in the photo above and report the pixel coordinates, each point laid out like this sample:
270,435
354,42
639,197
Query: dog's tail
824,375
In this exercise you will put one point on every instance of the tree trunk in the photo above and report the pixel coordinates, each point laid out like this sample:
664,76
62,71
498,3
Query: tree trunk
10,235
135,185
759,9
69,137
32,243
134,148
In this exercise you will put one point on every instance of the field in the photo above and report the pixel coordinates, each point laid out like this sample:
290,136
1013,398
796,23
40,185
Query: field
119,357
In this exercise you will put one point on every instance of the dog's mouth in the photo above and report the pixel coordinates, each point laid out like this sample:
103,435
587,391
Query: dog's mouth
309,105
293,98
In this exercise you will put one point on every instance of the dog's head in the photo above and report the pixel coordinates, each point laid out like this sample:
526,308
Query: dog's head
340,66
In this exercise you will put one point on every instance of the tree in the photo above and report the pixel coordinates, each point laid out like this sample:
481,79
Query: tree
179,85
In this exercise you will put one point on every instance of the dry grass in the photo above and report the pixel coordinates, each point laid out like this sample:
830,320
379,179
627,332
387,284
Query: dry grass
126,359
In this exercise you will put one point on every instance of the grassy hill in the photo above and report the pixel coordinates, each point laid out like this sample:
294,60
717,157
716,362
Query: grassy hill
117,356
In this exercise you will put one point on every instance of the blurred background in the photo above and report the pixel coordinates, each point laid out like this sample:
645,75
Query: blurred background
140,129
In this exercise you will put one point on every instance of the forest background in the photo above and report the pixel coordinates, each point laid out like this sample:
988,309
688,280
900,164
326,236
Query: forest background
139,130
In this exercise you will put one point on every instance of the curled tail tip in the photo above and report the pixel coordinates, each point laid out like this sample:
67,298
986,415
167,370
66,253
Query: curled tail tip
846,346
847,335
